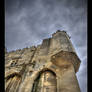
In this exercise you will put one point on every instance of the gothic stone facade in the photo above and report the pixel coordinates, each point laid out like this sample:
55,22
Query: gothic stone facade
49,67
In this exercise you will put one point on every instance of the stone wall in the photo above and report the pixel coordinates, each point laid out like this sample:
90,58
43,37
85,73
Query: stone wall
55,54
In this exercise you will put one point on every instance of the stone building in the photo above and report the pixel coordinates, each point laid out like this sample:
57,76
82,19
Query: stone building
49,67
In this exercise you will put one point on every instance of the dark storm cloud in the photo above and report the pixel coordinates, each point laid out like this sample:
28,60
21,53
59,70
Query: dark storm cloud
27,22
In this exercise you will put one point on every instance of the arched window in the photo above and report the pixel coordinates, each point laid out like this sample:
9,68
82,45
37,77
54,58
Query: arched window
13,63
12,83
46,82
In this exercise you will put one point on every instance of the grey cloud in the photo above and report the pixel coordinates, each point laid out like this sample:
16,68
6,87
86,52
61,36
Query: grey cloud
27,22
82,76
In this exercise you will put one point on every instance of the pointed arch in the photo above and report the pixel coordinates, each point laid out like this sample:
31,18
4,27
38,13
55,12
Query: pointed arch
12,82
45,82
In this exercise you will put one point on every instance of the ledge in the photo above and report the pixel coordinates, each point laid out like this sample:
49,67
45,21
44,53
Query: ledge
66,58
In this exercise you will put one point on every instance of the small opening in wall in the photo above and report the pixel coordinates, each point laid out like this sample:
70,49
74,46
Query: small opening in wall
14,62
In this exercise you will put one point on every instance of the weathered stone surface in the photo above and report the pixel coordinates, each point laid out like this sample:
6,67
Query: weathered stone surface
49,67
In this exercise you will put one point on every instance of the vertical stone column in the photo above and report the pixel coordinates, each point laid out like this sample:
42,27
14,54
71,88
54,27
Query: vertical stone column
67,64
27,84
68,81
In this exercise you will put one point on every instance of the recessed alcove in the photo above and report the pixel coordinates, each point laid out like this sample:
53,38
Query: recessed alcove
45,82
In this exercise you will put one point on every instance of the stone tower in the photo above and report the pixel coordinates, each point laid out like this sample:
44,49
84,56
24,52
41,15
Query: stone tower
49,67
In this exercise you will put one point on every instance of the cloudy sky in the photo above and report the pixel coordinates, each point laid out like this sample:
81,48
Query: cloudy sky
28,22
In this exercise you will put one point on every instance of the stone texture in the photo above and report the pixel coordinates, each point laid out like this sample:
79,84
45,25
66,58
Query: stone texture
49,67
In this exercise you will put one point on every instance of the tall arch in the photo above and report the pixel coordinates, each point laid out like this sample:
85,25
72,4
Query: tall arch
45,82
12,82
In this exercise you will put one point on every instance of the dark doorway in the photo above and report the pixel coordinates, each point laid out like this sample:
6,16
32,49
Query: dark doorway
46,82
